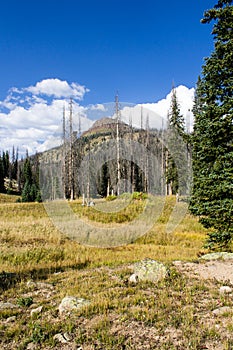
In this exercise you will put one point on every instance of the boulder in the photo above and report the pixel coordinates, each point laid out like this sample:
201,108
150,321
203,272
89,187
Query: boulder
150,270
217,256
7,305
225,290
222,310
71,303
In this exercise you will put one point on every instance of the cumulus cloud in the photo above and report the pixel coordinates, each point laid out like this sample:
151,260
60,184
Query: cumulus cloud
58,88
31,117
185,98
156,113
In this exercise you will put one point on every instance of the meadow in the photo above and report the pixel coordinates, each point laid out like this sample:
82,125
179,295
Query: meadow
168,315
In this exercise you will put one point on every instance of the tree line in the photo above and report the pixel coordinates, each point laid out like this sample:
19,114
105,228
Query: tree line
20,176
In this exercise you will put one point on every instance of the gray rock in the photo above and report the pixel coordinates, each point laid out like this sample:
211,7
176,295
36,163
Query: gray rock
133,278
39,285
59,337
222,310
7,305
150,270
71,303
11,319
36,311
217,256
32,346
225,290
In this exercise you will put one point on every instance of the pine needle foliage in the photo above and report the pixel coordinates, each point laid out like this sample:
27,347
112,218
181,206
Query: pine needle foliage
212,197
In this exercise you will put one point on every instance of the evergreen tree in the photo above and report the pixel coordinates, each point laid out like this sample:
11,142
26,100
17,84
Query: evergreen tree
2,188
26,193
176,119
212,197
176,168
30,191
6,163
14,164
27,171
103,180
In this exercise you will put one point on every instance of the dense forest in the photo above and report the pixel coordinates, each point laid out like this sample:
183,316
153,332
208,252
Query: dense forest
20,176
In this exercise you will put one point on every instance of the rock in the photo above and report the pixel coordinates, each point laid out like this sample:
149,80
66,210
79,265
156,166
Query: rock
66,336
7,305
11,319
222,310
150,270
71,303
133,278
217,256
32,346
59,337
42,285
31,284
225,290
36,311
39,285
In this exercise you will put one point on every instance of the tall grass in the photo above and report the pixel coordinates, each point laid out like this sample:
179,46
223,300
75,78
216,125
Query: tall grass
174,314
29,240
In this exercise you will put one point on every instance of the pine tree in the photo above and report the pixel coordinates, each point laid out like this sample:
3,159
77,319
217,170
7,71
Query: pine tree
2,188
212,197
14,163
6,163
27,171
102,185
30,191
176,168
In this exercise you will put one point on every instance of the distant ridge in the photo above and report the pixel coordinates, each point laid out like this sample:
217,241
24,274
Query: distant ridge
104,125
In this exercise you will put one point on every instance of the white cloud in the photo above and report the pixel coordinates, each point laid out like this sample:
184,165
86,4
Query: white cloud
98,107
58,88
157,112
185,97
31,118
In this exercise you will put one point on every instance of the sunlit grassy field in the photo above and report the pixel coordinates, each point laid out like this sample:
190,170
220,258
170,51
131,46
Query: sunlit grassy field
120,315
30,242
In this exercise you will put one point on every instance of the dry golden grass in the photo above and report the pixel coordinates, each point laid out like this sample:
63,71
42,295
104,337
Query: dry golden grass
29,240
176,312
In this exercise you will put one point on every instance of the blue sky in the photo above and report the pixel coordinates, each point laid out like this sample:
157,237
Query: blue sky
52,49
135,47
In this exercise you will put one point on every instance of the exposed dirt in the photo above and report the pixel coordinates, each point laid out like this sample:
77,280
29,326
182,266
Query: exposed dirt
217,269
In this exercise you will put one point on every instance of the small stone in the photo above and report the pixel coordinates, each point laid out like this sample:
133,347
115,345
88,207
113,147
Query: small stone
39,285
31,284
7,305
71,303
36,311
222,310
225,290
42,285
11,319
66,336
31,346
133,278
59,337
